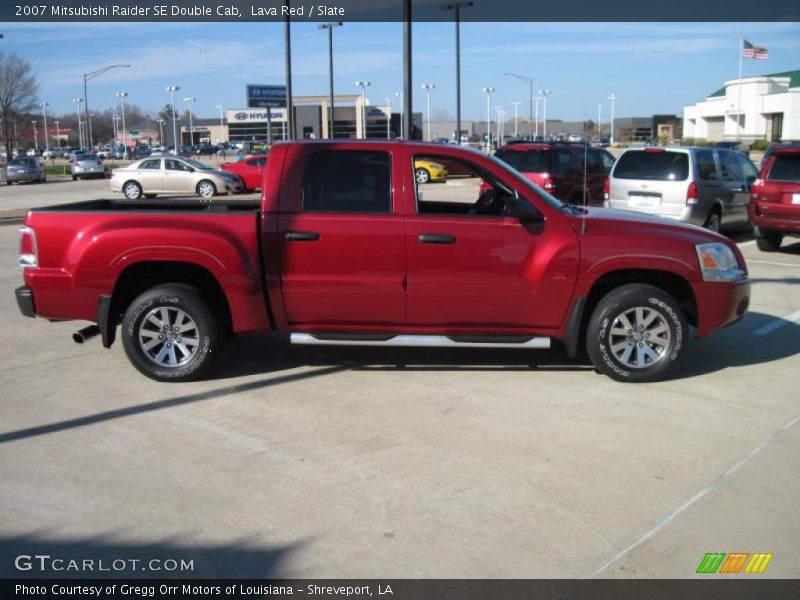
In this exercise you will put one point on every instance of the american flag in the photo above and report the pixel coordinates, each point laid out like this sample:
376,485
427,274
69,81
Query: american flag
751,51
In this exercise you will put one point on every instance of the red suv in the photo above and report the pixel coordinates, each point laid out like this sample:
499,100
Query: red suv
559,169
774,208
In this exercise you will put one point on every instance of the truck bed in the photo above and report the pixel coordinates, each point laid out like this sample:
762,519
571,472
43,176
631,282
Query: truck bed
183,205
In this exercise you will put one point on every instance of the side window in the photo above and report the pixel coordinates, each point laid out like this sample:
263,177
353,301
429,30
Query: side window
748,168
260,162
593,162
477,193
562,161
730,167
608,160
151,164
174,165
348,181
706,167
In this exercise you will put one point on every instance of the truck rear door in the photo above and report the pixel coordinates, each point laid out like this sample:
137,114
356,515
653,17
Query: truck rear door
342,248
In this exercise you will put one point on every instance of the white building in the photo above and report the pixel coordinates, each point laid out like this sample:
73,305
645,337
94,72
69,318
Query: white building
770,110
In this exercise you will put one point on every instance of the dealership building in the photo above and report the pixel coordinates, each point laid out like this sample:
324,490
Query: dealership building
765,107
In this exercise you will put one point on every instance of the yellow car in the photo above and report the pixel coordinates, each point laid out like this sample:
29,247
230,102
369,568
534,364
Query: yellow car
426,171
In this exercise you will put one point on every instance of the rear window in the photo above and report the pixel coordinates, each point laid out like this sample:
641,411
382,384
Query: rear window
525,161
658,166
785,168
351,181
20,162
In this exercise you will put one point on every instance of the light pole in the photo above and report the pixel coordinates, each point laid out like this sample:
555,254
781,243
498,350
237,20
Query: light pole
172,89
88,77
428,87
160,131
457,6
44,106
488,91
77,102
516,117
599,122
498,135
35,136
402,113
613,98
121,96
544,94
388,118
58,136
363,85
536,133
529,81
329,27
191,99
221,126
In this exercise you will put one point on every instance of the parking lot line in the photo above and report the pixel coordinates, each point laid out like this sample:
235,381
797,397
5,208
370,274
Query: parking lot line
778,323
709,487
773,263
748,243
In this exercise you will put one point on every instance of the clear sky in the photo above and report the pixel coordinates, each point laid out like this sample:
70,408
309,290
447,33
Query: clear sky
651,67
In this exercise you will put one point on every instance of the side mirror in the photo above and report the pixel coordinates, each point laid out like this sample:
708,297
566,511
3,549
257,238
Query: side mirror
521,210
190,169
751,179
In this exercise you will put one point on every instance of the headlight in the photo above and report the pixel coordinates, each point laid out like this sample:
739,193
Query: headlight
718,263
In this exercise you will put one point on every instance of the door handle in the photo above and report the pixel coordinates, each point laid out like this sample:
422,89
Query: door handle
436,238
302,236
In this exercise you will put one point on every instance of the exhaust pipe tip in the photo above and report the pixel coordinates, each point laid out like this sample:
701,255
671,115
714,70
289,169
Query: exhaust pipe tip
86,333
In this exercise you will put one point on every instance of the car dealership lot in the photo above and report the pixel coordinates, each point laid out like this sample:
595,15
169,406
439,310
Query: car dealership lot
315,462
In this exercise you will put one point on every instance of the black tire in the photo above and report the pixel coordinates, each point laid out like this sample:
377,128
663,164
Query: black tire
422,175
138,331
769,241
206,189
74,178
132,190
714,220
613,348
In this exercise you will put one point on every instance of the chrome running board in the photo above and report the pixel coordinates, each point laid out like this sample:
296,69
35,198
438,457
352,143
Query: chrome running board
437,341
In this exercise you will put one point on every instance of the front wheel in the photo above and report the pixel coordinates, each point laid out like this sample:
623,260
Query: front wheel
169,333
206,189
636,333
132,190
714,221
422,175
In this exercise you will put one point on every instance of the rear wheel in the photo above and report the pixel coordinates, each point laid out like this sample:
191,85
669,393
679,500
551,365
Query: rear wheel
206,189
714,221
636,333
132,190
422,175
770,241
169,332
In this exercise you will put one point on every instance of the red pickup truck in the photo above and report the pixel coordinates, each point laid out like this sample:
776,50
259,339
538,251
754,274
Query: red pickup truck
346,247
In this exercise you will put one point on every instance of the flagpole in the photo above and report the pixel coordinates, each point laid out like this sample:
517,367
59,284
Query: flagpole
739,101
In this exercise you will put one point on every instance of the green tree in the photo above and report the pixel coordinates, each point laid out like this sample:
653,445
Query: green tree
166,112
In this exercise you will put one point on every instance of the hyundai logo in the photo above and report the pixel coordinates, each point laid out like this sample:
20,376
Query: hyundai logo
240,116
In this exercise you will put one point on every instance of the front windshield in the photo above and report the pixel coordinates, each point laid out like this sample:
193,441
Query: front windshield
525,182
197,164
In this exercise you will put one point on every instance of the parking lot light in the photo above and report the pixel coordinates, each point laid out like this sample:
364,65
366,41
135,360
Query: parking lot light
402,113
529,81
219,106
388,118
44,106
329,27
488,91
363,85
190,99
121,96
58,135
172,89
77,102
428,87
456,7
88,77
35,136
516,117
544,94
613,98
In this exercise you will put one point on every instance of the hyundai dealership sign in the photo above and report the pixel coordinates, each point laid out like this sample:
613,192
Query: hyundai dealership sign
255,115
266,96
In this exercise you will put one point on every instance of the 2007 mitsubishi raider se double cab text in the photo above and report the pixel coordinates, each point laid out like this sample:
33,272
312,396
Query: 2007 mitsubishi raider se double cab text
346,247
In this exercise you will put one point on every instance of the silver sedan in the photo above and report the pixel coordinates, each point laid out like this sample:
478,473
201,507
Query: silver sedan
173,175
87,165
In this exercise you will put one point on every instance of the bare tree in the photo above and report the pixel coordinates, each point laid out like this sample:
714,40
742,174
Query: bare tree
19,90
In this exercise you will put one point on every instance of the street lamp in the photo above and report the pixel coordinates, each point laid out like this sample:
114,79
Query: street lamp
35,136
428,87
599,122
160,131
172,89
516,117
488,91
529,80
388,118
498,134
613,98
544,94
191,99
402,113
77,102
329,27
457,6
221,126
363,85
44,106
58,135
88,77
121,96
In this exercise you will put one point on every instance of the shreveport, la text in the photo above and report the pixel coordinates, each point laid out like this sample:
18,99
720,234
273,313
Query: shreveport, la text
189,590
